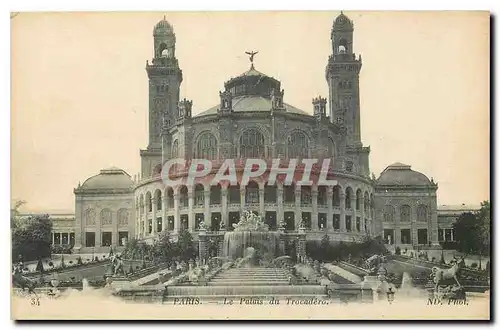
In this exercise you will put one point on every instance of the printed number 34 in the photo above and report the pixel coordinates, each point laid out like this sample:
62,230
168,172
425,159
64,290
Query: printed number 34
35,301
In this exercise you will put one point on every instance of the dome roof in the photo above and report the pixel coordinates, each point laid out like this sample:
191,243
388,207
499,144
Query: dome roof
342,22
253,103
251,91
163,27
399,174
252,82
110,178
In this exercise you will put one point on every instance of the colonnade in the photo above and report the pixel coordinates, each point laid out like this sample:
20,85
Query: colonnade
333,209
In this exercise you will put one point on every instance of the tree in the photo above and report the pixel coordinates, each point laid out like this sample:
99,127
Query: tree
163,248
484,218
14,213
468,233
31,239
325,250
185,245
131,249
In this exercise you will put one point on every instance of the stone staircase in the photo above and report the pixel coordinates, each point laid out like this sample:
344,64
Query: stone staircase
251,276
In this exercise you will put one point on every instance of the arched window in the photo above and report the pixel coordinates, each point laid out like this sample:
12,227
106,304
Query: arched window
141,205
348,196
367,203
206,147
199,195
252,193
342,46
90,217
234,194
270,194
149,205
215,194
161,48
122,216
305,195
252,144
170,198
175,149
298,145
331,148
106,218
158,200
358,199
157,170
389,213
405,213
422,213
183,197
322,196
372,205
289,193
336,196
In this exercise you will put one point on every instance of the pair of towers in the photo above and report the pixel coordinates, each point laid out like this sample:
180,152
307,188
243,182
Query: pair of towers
342,75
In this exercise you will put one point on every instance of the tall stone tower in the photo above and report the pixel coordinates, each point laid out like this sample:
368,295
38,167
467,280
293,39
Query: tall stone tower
342,75
165,78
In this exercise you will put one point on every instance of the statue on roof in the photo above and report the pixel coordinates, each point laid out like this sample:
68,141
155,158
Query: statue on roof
251,54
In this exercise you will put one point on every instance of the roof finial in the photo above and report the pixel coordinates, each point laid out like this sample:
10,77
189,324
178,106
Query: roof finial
252,54
164,17
341,12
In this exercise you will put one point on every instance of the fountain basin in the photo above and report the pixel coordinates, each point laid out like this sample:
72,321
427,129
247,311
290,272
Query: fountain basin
265,242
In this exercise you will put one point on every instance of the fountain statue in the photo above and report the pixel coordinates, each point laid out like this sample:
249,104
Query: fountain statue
251,231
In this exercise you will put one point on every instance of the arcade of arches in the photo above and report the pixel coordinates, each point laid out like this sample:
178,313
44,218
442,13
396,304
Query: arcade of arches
317,208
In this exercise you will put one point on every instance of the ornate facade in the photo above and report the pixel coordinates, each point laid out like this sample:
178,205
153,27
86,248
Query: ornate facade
252,120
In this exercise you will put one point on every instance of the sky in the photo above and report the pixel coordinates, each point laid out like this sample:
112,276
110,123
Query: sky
79,98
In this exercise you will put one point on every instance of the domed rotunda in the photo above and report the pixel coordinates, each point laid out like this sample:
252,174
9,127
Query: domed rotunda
252,120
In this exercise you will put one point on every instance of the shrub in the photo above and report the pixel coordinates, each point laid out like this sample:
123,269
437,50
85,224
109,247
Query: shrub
96,258
397,251
79,260
473,265
51,264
